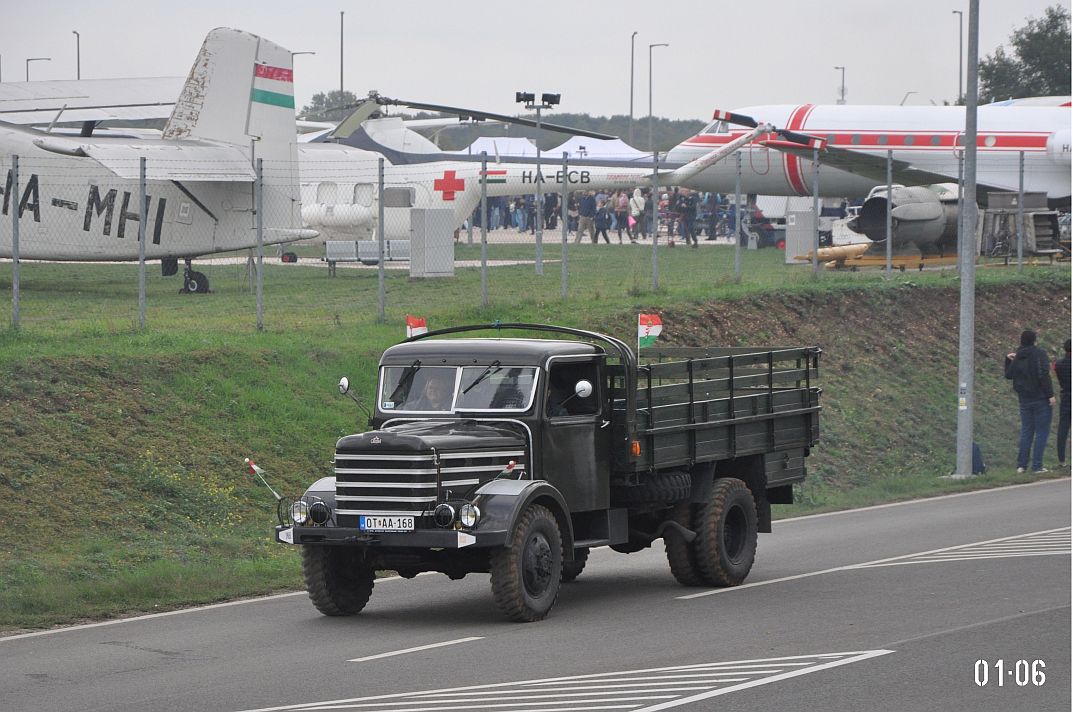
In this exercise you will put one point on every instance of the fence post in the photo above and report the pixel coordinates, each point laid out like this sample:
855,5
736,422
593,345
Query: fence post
815,209
889,213
14,202
1020,220
143,215
381,240
655,223
564,211
259,208
737,222
483,228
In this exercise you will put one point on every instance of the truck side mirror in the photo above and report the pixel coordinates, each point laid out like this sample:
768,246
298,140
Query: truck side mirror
344,385
583,389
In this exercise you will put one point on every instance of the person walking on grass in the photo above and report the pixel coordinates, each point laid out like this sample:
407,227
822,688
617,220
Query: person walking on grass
1029,370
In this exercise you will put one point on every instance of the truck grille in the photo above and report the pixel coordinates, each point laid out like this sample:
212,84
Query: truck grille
405,485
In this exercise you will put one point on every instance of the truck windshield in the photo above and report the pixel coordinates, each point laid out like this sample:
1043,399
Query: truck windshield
438,389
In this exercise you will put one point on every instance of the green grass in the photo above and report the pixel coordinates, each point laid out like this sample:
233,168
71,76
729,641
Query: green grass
122,487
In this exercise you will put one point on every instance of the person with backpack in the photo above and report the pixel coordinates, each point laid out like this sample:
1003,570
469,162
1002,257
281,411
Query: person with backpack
1029,370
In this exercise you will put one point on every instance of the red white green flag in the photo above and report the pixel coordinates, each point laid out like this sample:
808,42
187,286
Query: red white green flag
415,325
649,326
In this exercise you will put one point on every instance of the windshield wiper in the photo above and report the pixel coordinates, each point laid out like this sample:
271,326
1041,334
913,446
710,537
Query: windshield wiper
403,382
495,364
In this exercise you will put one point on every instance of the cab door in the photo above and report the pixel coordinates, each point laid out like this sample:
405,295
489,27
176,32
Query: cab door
575,437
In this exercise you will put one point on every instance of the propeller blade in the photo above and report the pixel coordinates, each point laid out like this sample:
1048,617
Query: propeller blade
732,118
803,139
481,115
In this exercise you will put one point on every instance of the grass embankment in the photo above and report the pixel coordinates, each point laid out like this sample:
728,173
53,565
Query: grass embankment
121,484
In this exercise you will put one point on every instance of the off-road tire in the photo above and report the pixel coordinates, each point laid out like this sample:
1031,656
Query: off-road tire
727,533
660,488
680,554
339,582
572,569
526,575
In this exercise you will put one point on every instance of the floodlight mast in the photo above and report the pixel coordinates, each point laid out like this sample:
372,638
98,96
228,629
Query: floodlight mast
547,101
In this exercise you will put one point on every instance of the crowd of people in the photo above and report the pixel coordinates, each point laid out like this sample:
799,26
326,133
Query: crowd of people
683,214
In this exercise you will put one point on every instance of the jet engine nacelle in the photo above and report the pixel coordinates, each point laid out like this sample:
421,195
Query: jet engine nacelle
923,215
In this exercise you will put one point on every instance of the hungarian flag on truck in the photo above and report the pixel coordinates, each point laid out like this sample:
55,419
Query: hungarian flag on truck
415,325
649,326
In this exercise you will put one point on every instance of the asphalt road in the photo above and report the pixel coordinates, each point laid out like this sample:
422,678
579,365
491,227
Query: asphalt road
886,608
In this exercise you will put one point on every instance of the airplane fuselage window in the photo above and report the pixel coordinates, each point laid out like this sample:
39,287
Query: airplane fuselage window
909,140
327,193
883,140
856,139
363,194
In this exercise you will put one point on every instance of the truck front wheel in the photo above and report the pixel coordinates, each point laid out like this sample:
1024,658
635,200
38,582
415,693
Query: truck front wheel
726,529
525,575
337,578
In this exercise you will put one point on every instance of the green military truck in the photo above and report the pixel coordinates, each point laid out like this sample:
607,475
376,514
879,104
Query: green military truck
515,456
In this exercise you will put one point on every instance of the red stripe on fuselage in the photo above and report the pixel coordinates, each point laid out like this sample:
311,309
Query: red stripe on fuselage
280,74
794,169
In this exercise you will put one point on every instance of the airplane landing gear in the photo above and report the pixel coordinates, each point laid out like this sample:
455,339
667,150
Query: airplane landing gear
193,282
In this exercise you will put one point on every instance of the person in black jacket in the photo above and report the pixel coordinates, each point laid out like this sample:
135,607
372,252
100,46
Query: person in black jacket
1062,368
1028,369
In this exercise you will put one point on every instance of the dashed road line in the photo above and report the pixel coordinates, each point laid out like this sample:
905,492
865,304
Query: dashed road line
415,650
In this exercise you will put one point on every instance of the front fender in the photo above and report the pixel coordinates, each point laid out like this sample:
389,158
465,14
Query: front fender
501,502
324,488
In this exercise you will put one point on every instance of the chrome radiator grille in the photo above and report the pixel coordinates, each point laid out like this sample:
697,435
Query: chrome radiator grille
406,484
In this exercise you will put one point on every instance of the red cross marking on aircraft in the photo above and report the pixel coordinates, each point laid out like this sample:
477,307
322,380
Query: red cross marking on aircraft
449,183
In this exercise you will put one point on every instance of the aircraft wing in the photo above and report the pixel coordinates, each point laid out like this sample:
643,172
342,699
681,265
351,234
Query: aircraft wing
88,99
867,165
164,160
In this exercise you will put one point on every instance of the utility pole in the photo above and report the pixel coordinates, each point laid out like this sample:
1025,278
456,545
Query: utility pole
341,13
632,60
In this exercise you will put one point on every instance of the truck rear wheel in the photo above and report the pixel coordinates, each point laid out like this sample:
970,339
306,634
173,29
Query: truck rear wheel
726,529
338,580
525,575
680,554
573,569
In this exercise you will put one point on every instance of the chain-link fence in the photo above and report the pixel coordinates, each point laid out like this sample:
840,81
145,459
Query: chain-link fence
213,223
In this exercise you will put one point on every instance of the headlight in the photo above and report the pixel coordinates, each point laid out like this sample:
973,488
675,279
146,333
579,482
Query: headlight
469,515
299,512
319,512
443,515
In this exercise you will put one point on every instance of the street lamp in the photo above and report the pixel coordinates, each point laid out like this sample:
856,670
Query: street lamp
960,58
632,60
547,101
77,54
907,94
35,59
651,114
842,99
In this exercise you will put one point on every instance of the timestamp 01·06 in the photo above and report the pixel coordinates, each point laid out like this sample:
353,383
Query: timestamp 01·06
1019,672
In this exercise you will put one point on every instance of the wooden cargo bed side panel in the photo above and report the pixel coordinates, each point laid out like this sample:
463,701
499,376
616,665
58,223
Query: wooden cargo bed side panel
666,393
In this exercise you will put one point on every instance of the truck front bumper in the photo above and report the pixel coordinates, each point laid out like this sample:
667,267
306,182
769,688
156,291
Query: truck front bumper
420,538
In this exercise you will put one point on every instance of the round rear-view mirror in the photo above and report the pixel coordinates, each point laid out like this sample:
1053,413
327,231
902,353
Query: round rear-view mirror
583,389
344,385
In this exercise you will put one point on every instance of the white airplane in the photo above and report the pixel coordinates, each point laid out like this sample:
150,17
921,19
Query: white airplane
77,195
925,142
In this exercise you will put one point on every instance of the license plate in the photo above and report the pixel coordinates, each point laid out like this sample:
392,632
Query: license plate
385,524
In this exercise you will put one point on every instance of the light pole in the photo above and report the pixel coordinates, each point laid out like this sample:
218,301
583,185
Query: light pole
341,13
906,95
651,114
632,60
841,99
77,54
35,59
960,58
547,101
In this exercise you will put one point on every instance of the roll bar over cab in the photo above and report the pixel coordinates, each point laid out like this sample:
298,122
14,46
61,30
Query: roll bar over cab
516,456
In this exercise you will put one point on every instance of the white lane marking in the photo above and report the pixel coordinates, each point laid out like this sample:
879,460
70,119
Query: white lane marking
924,500
921,556
681,684
414,650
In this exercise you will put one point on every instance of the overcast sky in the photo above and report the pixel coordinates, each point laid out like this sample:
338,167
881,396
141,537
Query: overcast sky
477,53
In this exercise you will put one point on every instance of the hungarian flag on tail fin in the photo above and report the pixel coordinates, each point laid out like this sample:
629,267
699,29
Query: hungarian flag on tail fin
415,325
649,326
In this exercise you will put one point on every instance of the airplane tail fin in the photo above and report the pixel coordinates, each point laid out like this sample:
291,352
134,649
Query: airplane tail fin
239,90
